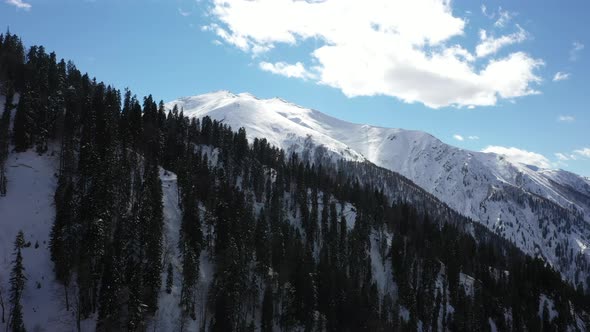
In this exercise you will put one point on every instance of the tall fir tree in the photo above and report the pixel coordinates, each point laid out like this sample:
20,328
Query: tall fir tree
17,286
24,123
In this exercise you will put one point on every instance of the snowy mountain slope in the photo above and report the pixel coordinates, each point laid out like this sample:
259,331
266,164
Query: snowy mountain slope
28,206
282,124
169,316
30,203
544,212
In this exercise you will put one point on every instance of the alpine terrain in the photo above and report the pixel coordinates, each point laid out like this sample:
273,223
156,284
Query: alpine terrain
224,212
545,212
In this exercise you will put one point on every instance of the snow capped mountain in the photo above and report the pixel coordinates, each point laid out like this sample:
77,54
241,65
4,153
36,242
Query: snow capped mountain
544,212
282,124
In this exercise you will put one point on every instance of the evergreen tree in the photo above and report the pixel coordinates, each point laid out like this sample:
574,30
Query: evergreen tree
190,242
135,307
152,218
5,140
108,313
24,123
313,217
266,320
17,286
63,238
189,279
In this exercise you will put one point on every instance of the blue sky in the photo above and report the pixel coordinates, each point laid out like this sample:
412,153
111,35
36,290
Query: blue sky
425,64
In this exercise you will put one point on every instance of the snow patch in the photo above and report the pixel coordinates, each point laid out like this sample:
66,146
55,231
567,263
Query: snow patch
28,206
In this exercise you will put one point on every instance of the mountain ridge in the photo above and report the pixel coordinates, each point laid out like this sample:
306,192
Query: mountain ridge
540,210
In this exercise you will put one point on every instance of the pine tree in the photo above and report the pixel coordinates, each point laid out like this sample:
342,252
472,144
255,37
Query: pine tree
325,216
135,307
342,247
24,123
262,244
152,217
333,235
5,140
229,289
313,218
190,242
108,313
266,320
189,280
63,238
17,285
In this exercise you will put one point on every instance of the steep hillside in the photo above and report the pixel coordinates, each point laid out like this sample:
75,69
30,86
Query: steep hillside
29,207
544,212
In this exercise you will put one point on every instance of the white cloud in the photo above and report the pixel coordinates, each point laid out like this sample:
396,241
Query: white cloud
566,118
484,11
380,47
19,4
462,138
561,76
574,155
236,40
257,49
505,17
585,152
490,45
567,156
561,156
577,47
296,70
183,13
520,156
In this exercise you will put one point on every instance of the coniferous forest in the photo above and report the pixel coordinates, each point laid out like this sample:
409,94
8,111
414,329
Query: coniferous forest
293,243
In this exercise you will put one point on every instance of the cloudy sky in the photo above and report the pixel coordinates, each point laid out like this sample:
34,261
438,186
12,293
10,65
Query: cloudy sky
498,76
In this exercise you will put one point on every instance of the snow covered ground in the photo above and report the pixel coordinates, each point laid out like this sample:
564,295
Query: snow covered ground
486,187
29,207
168,317
534,208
